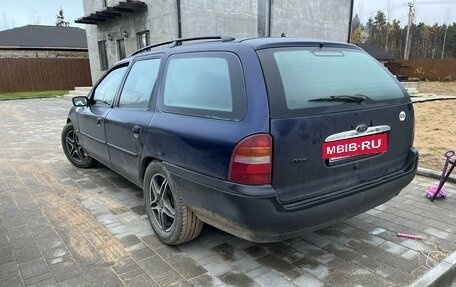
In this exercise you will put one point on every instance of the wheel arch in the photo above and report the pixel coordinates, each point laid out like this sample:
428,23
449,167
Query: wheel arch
144,164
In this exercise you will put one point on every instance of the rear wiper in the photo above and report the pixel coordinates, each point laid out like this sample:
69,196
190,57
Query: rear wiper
341,98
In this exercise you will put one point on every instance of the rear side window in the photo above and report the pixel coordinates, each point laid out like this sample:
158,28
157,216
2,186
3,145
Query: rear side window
298,76
209,84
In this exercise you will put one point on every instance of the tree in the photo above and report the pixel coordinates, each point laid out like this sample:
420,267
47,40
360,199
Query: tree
61,19
450,45
356,22
429,41
395,39
436,40
357,36
357,30
378,33
421,41
369,28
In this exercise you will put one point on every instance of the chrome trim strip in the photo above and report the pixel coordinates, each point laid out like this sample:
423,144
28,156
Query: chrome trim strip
122,150
337,159
110,145
355,134
92,137
347,158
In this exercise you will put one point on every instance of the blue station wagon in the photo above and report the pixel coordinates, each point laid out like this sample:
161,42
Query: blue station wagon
263,138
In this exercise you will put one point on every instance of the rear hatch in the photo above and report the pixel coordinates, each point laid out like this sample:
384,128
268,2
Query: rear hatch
338,120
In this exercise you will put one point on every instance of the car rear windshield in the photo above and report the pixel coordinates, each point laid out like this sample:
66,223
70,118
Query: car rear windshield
313,80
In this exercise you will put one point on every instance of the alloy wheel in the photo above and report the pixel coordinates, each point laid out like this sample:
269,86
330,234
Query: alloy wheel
74,148
162,202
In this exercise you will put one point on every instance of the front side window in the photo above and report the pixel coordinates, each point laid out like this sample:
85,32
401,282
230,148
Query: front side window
139,84
106,90
102,55
205,84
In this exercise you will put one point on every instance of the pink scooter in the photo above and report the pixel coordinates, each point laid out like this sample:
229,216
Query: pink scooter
434,191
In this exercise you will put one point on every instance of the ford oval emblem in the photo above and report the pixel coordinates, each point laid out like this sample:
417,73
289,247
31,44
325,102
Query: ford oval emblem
361,129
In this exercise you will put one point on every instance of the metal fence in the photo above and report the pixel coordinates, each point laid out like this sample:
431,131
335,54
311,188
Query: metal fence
31,74
431,70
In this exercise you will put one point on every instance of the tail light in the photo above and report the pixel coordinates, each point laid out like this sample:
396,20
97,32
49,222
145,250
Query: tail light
251,161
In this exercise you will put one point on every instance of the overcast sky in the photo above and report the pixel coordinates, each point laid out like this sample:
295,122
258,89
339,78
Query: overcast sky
23,12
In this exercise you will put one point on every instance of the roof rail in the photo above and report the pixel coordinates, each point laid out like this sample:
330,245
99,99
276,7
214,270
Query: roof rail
179,41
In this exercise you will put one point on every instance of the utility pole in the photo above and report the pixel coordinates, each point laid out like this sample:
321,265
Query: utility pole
408,39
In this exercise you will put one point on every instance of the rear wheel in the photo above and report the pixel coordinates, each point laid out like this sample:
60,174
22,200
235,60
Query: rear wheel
172,221
73,149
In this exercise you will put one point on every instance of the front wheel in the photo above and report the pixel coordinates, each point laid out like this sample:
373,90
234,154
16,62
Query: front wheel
73,149
172,222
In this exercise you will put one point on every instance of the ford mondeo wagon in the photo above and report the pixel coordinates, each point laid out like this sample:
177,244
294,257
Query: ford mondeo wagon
263,138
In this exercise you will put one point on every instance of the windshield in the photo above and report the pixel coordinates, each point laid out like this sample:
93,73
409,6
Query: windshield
303,78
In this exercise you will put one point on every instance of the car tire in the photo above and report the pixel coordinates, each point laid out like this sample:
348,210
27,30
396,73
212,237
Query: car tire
73,149
172,221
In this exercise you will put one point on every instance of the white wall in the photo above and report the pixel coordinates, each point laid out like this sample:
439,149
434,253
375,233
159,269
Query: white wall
319,19
236,18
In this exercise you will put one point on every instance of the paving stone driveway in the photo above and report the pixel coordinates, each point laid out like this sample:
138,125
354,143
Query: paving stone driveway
71,227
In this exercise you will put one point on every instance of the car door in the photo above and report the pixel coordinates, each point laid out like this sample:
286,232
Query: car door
126,124
91,119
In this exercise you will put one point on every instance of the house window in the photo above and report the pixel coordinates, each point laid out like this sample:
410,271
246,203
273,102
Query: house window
103,55
121,49
143,39
105,3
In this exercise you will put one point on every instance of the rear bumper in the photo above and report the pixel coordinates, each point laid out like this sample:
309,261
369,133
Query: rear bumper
255,214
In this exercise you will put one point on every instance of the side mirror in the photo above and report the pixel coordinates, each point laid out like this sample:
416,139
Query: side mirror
80,101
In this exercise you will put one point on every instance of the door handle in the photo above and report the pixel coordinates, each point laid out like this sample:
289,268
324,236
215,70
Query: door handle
136,130
99,120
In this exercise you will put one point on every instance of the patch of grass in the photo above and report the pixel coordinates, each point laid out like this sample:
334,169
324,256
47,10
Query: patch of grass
32,95
437,149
